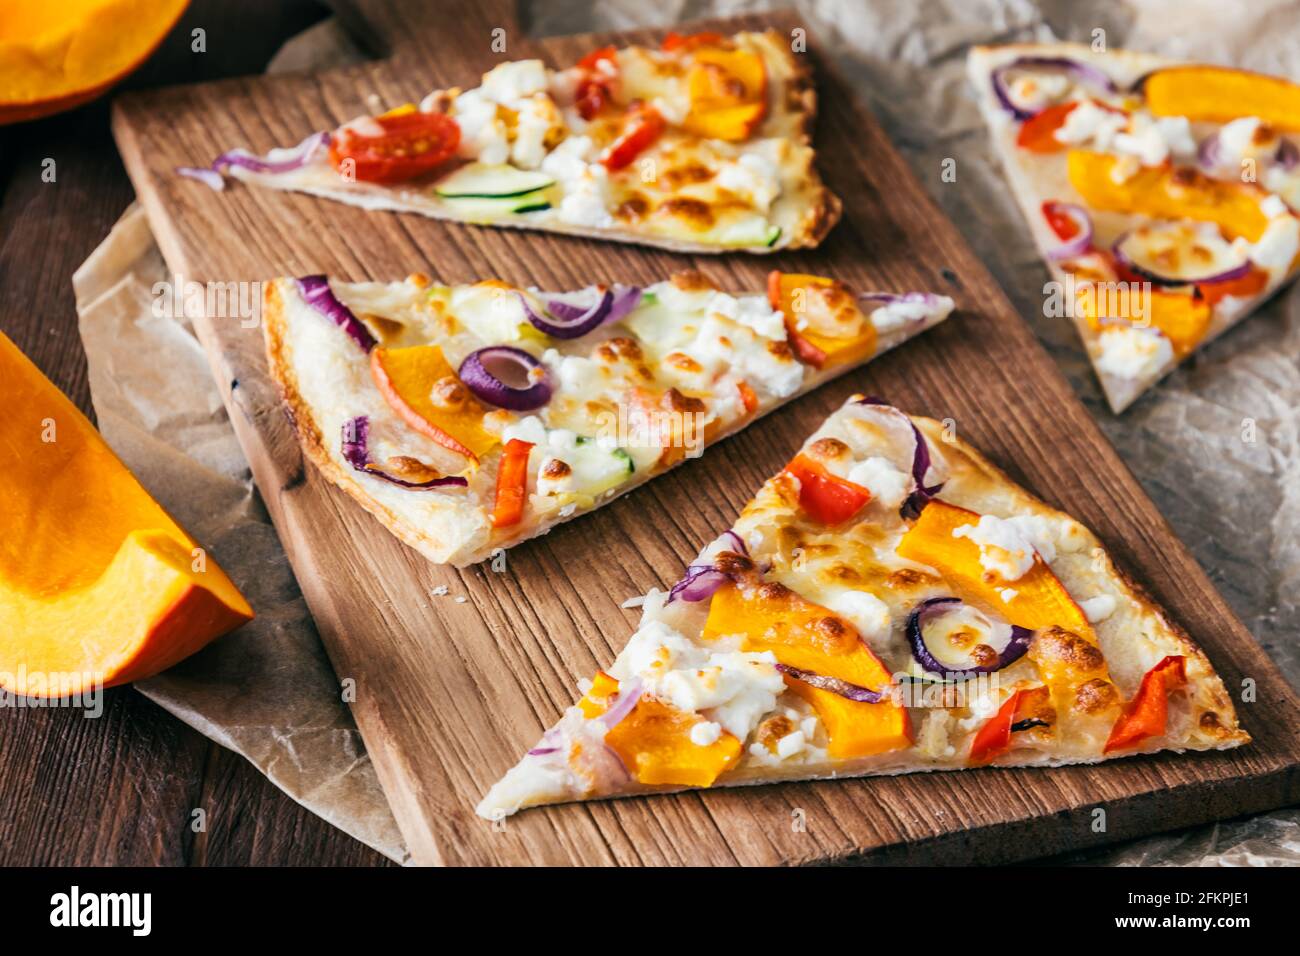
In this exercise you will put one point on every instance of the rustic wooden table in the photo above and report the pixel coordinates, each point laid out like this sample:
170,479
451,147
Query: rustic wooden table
121,790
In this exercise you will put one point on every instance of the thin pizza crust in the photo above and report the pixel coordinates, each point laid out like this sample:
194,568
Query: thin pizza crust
1133,636
1033,183
805,210
453,528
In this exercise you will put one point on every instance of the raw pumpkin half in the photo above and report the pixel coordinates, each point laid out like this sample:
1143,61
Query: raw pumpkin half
98,585
57,55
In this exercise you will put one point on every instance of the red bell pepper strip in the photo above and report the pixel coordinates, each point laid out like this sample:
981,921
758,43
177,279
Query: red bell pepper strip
995,736
1147,712
825,497
512,483
594,89
644,127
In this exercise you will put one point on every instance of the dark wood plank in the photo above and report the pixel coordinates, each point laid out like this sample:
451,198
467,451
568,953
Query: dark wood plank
450,694
120,790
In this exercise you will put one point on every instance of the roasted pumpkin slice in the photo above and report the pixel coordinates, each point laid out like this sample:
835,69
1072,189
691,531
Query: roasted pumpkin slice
1164,192
98,585
420,385
1040,599
54,56
823,322
810,638
1218,94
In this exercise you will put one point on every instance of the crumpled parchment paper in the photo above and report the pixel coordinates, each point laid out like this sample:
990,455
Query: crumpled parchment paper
268,691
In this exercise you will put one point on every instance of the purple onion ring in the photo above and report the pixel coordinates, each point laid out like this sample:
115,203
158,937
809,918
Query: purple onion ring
934,607
356,435
1071,248
506,377
702,581
564,318
1082,72
1236,272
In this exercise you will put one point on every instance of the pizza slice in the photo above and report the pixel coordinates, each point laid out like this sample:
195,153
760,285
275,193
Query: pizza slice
890,602
703,145
1162,194
470,418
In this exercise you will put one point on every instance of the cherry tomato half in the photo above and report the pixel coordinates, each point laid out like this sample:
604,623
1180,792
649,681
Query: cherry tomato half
409,145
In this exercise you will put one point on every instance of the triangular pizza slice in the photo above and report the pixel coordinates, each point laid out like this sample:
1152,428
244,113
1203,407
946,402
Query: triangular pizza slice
702,144
890,602
1162,194
468,418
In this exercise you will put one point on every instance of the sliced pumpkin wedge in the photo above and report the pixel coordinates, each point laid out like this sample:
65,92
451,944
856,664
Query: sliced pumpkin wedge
1164,192
809,637
421,386
1218,94
98,584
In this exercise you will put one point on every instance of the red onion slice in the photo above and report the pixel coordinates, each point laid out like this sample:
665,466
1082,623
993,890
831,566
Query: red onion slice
702,581
1209,155
1082,241
833,684
206,175
629,694
356,451
575,314
506,377
316,291
1084,73
929,609
1127,252
918,499
292,159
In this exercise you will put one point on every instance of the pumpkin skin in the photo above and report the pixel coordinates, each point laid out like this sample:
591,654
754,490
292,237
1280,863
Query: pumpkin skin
55,56
98,585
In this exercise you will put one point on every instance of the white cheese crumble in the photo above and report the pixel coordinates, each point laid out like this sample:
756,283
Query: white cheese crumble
864,611
1132,352
791,744
1277,247
752,177
509,82
887,484
1003,548
706,732
1097,608
733,689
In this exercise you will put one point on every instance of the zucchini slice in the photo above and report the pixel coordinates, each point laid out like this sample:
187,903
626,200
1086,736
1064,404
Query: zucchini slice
484,181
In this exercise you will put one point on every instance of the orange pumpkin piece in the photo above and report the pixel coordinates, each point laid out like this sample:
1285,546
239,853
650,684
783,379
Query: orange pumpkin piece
1163,192
98,585
420,385
596,701
1217,94
54,56
1183,318
654,743
728,93
807,636
1040,600
822,320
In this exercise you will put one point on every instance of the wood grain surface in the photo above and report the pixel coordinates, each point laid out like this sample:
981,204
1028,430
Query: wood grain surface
450,693
122,789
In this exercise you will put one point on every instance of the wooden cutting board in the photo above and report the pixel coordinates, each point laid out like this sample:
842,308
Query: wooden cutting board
450,692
